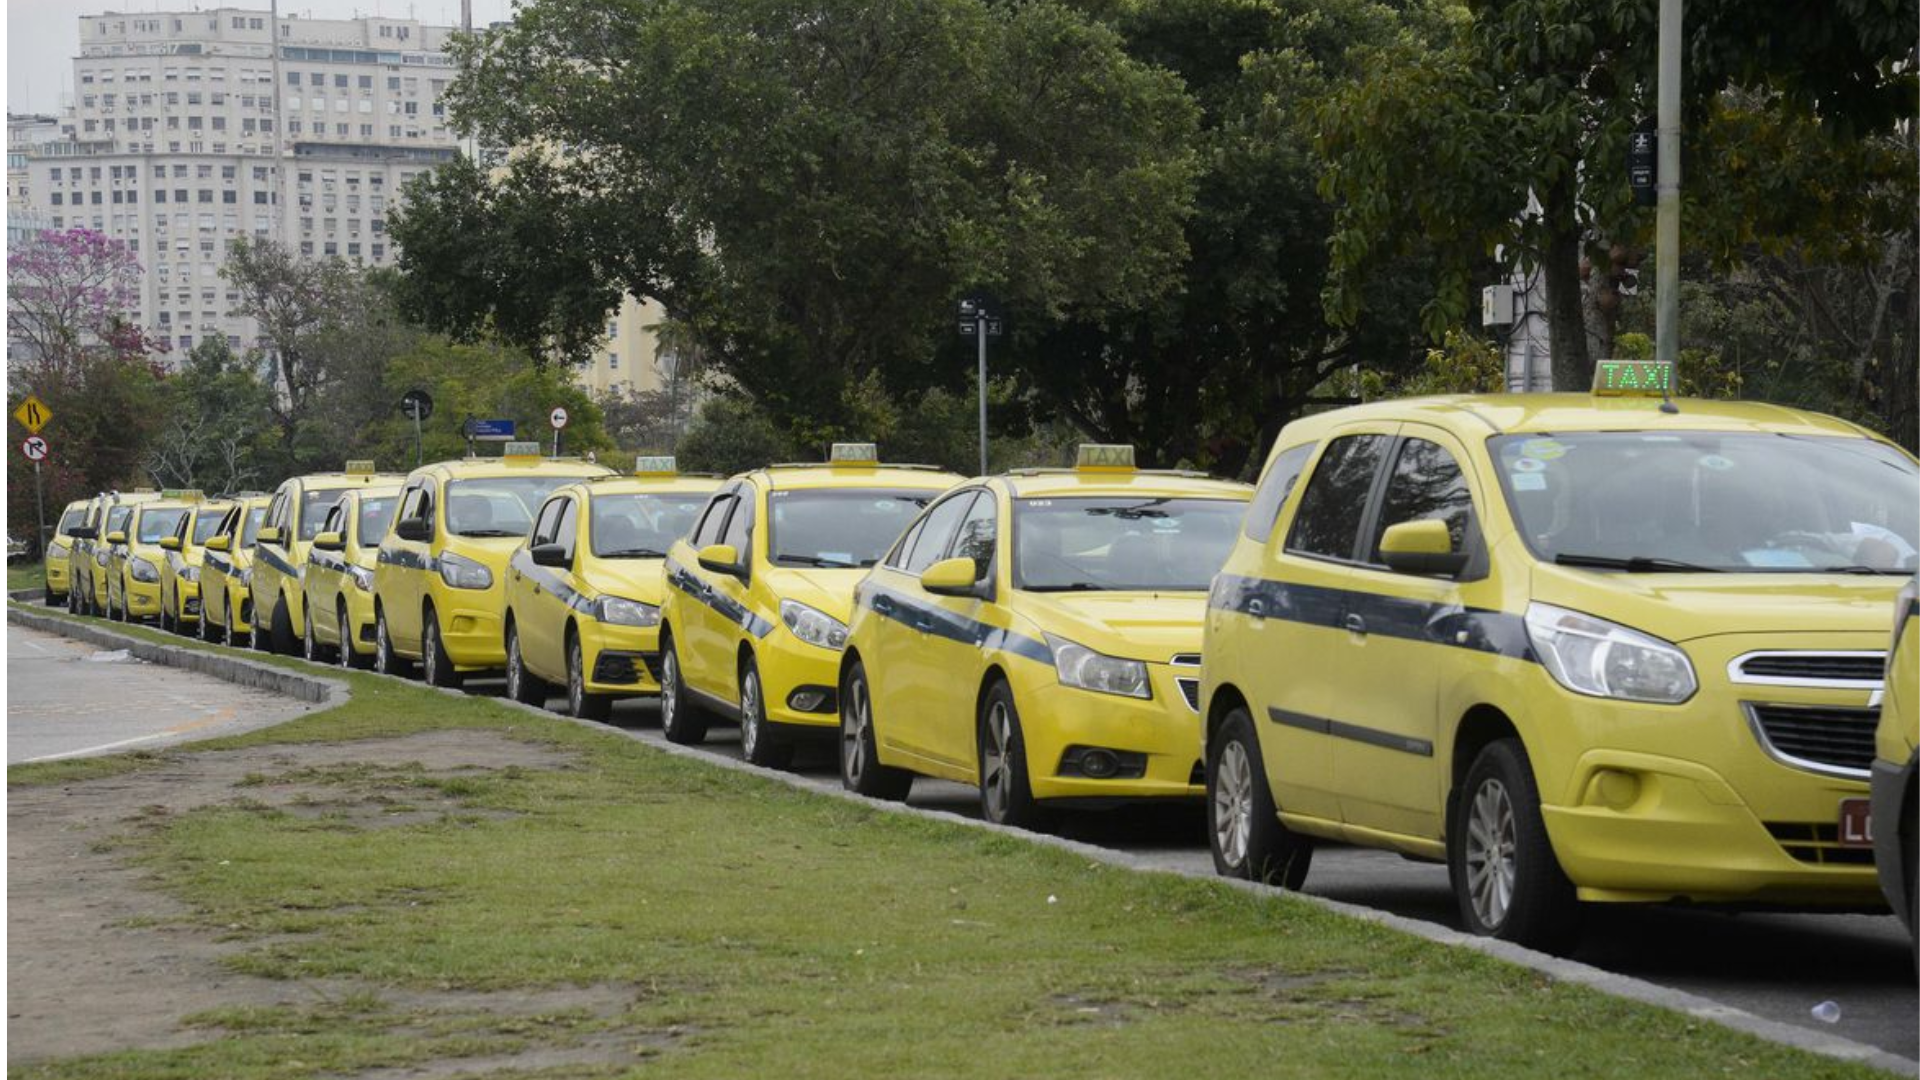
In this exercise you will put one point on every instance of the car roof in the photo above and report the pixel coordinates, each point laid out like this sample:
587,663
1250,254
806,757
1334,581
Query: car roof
852,475
324,481
1040,483
1481,415
494,468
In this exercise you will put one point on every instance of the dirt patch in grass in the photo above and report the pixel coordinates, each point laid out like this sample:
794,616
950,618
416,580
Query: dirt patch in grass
100,960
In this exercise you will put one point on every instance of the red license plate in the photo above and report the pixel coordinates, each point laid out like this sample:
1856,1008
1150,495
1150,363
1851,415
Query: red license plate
1856,824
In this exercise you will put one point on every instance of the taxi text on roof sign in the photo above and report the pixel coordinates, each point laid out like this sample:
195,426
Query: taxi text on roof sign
360,467
664,465
1104,456
854,453
521,450
1632,378
183,494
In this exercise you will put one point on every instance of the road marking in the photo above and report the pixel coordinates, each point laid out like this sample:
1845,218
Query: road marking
221,717
34,645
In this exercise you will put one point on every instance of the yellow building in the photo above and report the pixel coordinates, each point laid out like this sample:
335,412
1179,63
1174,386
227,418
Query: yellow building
629,359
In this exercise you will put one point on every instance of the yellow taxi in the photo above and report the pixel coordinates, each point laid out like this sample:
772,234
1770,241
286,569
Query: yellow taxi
134,564
758,596
584,587
180,569
1896,791
438,593
226,572
337,588
1037,635
1582,648
107,516
59,555
294,518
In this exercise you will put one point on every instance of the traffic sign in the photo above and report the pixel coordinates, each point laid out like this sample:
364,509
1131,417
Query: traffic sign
35,448
33,415
489,430
558,417
416,404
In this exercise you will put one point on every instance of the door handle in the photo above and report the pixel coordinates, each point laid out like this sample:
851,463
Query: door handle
1257,608
882,606
1356,625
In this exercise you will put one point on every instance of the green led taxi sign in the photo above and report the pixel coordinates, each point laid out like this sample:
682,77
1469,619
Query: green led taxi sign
1107,457
521,450
854,453
1632,378
360,467
664,465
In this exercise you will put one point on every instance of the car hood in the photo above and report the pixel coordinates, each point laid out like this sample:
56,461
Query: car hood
644,580
830,591
1681,607
1147,626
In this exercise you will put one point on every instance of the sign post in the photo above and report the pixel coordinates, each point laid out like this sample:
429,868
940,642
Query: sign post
419,405
980,319
558,418
35,449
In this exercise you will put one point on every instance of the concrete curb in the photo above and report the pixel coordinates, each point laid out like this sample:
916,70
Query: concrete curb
330,691
325,692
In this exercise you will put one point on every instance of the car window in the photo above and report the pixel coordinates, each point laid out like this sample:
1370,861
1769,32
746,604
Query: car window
71,520
1281,476
905,547
543,526
708,531
940,523
277,511
567,531
331,523
376,513
977,534
207,523
839,527
117,518
1327,522
1425,484
251,531
313,507
739,530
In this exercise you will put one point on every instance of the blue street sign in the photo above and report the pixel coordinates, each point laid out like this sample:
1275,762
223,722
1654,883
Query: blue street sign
490,430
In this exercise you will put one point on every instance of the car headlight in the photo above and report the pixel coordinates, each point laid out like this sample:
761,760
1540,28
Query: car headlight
56,550
142,570
362,578
189,573
618,609
460,572
1603,659
1082,668
813,626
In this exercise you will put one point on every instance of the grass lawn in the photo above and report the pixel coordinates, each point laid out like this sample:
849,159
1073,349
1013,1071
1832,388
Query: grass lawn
24,575
775,933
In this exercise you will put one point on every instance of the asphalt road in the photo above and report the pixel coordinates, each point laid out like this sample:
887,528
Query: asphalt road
68,699
1773,965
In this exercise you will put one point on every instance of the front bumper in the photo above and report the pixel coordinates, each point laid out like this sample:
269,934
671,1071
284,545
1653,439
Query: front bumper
620,659
791,668
1157,739
1893,853
471,626
143,599
358,633
57,573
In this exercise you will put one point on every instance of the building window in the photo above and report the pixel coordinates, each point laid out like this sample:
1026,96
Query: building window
613,361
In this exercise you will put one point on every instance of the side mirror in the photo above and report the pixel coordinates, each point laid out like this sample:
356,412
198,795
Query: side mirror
223,542
330,541
269,534
722,559
950,577
550,555
413,529
116,538
1421,547
83,532
171,543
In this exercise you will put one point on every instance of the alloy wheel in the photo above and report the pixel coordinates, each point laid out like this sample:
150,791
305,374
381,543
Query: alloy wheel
1490,853
1233,803
996,775
853,732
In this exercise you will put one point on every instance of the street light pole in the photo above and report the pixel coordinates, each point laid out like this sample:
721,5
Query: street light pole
1666,304
980,341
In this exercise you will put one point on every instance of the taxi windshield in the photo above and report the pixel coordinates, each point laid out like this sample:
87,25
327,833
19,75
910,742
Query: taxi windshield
376,511
1684,501
498,505
1092,544
642,526
206,524
839,527
71,520
117,519
254,517
313,510
155,524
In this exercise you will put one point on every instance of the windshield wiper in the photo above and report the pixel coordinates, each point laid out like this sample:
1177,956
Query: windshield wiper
487,532
1636,564
1856,569
815,560
1068,586
634,553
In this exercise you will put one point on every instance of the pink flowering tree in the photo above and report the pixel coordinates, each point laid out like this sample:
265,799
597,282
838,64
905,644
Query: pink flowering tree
68,294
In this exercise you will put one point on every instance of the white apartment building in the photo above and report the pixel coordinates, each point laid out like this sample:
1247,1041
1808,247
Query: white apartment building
188,130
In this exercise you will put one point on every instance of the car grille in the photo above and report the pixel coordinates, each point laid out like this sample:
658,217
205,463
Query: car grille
1826,739
1817,843
615,667
1863,669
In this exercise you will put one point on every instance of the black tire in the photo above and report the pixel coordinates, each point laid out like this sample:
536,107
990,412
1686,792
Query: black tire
581,704
435,668
386,660
759,744
1243,826
1006,790
680,720
228,635
281,626
523,686
860,768
1505,876
166,625
310,646
348,656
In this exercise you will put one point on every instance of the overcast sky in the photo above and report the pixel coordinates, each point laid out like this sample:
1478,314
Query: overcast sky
44,35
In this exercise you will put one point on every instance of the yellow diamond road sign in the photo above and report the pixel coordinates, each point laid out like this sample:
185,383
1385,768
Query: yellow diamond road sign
33,414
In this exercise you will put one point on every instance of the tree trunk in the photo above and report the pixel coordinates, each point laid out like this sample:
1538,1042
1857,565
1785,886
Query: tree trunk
1566,322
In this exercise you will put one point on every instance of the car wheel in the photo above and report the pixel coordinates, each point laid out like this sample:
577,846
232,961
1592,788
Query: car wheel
680,721
1243,828
310,646
860,768
758,743
580,703
1006,791
434,665
282,628
522,685
1504,873
347,656
165,620
385,660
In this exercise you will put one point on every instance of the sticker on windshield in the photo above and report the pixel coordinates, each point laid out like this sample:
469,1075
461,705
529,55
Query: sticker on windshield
1776,558
1527,481
1544,449
1529,464
1716,462
838,556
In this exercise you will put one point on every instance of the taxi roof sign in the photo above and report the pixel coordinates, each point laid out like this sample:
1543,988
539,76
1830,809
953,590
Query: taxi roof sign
183,494
521,450
1104,457
661,465
854,453
360,467
1632,378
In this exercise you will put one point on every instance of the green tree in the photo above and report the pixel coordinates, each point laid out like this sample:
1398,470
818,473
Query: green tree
218,429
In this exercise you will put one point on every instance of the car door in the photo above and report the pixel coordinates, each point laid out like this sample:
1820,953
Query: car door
1415,630
526,596
1296,616
325,576
938,646
903,675
408,561
550,640
733,599
698,634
